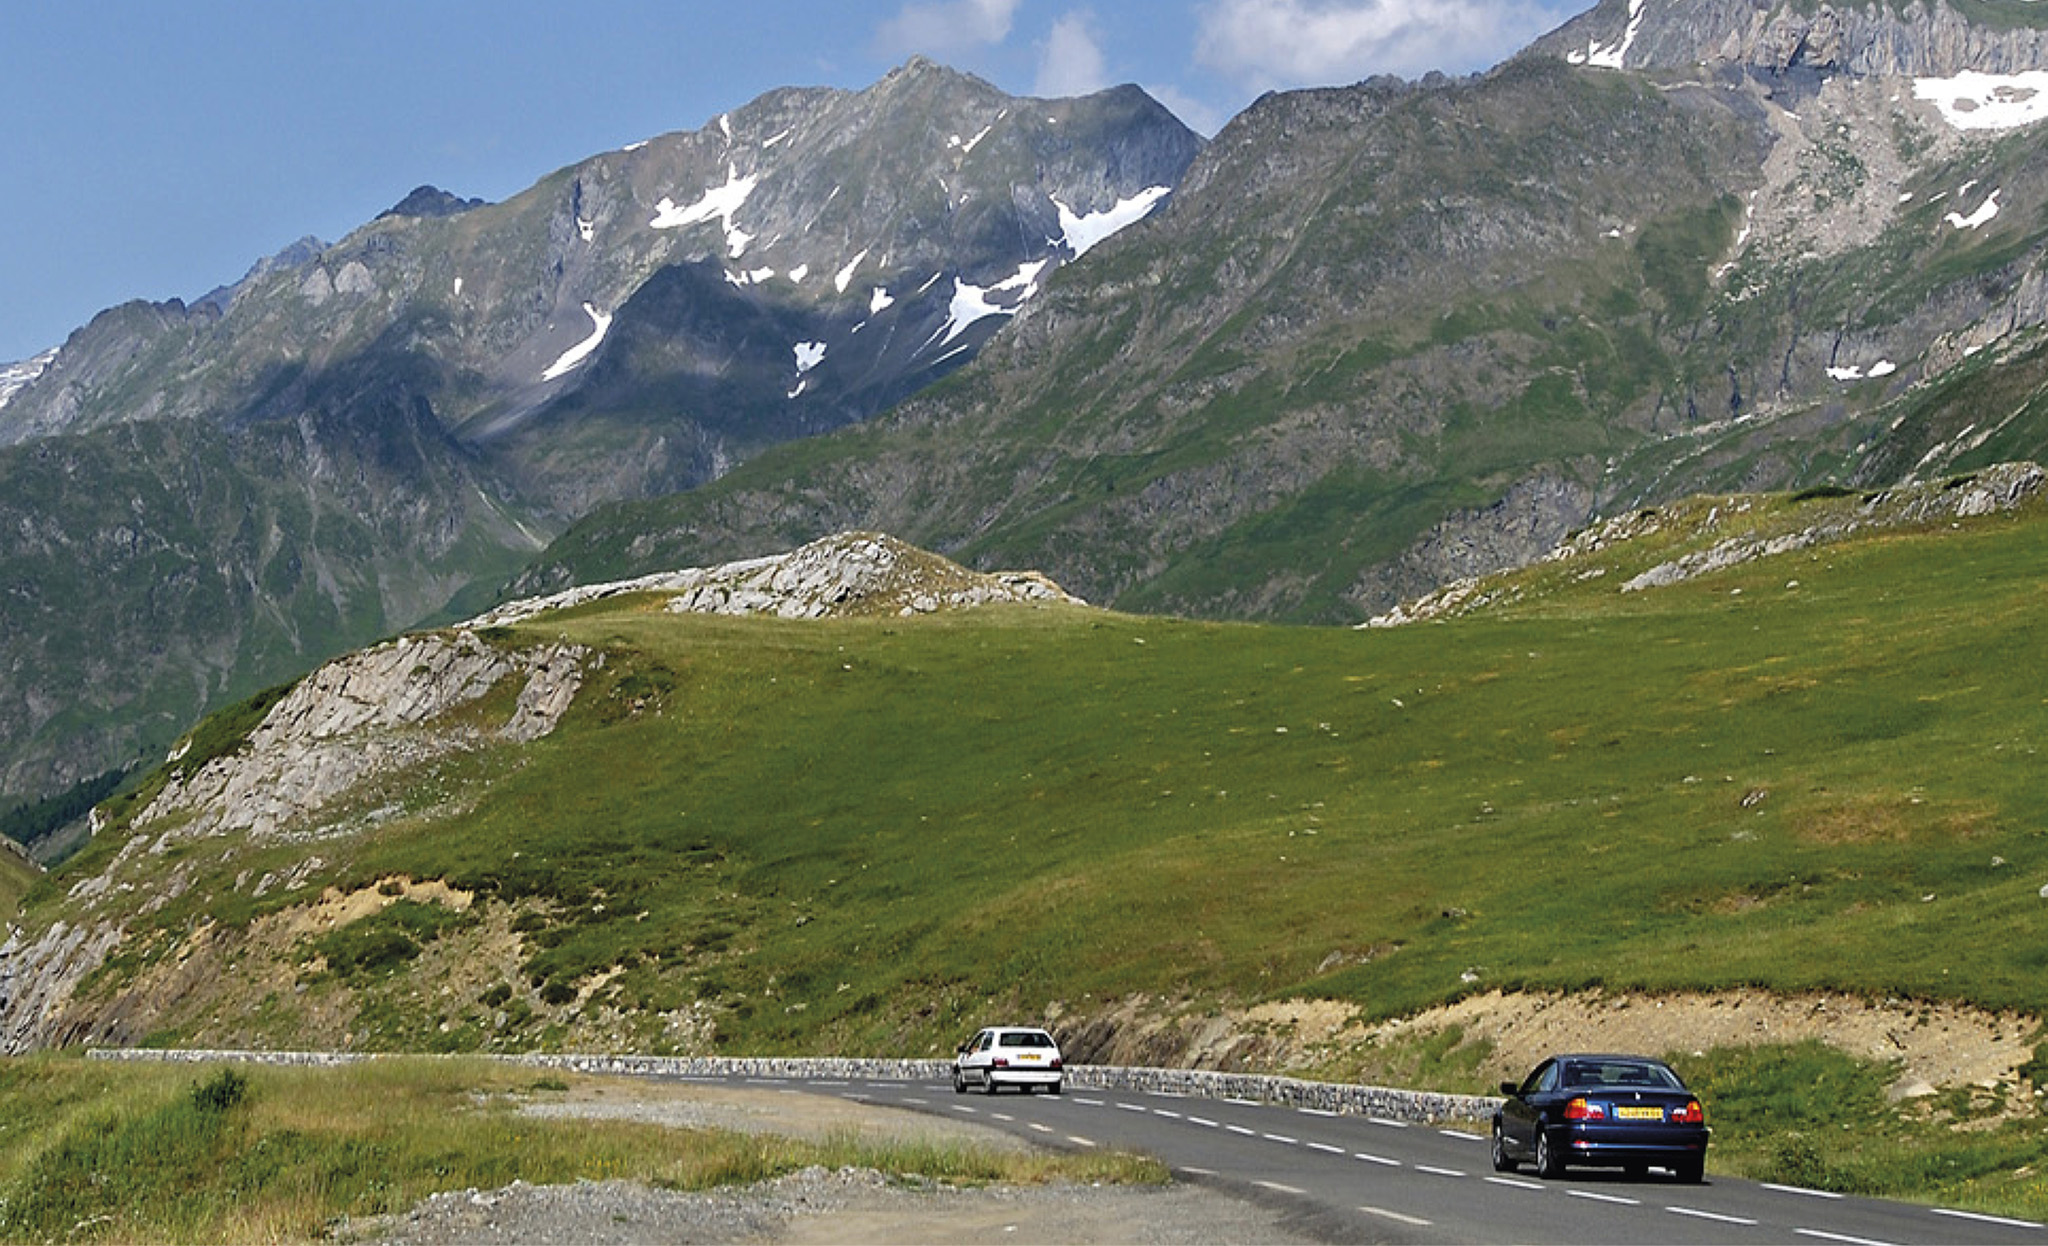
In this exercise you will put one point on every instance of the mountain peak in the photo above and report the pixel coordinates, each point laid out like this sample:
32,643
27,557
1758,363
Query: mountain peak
427,201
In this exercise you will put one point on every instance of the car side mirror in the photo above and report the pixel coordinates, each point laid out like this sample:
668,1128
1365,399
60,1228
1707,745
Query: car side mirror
1512,1090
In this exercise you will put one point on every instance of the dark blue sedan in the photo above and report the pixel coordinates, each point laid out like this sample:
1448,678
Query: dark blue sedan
1592,1111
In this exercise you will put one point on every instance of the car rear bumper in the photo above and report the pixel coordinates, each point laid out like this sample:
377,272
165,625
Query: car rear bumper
1616,1146
1025,1077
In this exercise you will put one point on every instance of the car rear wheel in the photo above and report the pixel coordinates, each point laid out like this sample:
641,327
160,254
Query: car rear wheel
1502,1162
988,1083
1549,1164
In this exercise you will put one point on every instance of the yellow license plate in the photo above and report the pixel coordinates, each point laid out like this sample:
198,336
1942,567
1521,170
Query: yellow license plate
1640,1114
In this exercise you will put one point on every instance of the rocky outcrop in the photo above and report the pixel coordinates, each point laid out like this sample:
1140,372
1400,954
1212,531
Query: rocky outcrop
848,574
1917,39
2003,487
361,716
1985,493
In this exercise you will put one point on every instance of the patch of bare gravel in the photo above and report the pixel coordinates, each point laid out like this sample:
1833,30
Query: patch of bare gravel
817,1205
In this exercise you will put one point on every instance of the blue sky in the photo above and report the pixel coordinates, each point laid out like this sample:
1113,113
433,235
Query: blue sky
156,150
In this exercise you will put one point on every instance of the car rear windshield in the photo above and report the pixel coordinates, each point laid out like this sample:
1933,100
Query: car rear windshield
1025,1038
1634,1073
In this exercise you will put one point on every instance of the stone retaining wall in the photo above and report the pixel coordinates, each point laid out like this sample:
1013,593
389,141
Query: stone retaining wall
1339,1098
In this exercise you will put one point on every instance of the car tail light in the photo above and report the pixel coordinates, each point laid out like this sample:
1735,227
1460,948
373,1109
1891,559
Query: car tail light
1691,1114
1055,1063
1001,1062
1581,1110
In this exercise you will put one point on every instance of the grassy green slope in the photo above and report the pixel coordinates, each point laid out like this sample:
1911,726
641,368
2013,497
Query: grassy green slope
866,835
16,876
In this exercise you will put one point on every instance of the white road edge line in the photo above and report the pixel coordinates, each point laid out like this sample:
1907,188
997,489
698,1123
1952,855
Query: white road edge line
1315,1111
1283,1189
1598,1197
1079,1141
1697,1214
1395,1216
1391,1124
1982,1218
1461,1135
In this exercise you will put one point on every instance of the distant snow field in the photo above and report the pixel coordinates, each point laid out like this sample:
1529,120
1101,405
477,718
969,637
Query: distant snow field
1979,101
1081,233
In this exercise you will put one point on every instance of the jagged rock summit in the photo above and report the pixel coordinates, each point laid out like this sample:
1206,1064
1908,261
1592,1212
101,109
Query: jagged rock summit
1919,38
852,573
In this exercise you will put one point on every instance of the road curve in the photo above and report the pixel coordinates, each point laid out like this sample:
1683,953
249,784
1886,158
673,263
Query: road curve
1354,1179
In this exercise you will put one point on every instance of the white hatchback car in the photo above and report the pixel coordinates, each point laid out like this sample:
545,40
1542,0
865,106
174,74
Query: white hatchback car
1009,1055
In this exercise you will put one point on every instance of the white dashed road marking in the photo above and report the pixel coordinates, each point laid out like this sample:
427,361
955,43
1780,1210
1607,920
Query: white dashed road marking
1381,1160
1461,1135
1840,1237
1438,1172
1981,1218
1519,1185
1800,1190
1326,1148
1395,1216
1283,1189
1605,1198
1278,1138
1697,1214
1203,1121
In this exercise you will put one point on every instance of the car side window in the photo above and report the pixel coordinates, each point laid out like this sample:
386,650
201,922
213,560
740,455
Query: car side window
1546,1078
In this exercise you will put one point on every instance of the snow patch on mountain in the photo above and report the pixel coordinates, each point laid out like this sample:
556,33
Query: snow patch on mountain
1979,218
1082,233
972,303
15,377
1612,55
718,201
575,355
1973,100
844,277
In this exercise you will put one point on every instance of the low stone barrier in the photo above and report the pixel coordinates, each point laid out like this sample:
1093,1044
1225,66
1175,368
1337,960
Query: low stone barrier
1339,1098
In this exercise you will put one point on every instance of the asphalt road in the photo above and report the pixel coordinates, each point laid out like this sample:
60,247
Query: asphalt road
1350,1179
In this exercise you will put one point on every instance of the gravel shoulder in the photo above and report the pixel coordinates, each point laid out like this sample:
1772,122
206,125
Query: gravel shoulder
852,1206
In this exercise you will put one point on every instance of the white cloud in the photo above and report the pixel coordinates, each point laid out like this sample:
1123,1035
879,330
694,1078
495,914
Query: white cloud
1070,61
1276,44
946,28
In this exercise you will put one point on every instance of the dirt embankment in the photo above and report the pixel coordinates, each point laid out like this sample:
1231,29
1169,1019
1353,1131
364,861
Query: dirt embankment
1932,1046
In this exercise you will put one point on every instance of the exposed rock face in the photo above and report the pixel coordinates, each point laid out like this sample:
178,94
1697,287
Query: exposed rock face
852,573
1988,492
2000,488
358,716
1917,39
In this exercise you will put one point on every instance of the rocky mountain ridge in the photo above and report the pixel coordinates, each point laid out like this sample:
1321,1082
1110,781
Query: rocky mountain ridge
363,435
1881,38
1443,334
